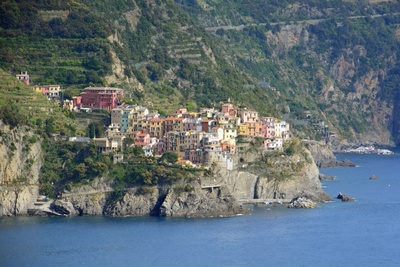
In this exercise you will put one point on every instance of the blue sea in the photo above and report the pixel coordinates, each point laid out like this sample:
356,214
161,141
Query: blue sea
361,233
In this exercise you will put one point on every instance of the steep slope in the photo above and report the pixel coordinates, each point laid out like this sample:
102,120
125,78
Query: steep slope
310,61
333,60
27,123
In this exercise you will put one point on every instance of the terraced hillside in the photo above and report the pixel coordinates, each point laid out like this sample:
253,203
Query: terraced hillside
308,61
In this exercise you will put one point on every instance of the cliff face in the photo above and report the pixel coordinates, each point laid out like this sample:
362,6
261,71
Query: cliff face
349,95
100,199
253,175
20,163
275,180
322,154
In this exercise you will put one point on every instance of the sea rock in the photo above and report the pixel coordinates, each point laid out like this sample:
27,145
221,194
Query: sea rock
373,177
302,203
345,163
64,207
345,198
323,177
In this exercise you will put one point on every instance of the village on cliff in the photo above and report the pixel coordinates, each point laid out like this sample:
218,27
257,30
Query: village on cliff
198,138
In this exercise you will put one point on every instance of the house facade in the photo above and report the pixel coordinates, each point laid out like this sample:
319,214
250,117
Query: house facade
102,97
24,77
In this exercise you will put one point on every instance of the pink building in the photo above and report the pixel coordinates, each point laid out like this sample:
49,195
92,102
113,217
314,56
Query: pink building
142,139
102,97
248,115
180,111
268,127
77,102
229,109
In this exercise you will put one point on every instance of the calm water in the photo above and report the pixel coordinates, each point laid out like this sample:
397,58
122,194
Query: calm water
361,233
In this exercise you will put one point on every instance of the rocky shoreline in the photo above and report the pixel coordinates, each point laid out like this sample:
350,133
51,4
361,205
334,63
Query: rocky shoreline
324,156
276,177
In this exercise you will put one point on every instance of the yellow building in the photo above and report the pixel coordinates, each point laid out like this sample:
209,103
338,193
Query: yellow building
242,129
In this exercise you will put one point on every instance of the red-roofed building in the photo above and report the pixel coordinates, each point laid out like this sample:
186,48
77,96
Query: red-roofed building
142,139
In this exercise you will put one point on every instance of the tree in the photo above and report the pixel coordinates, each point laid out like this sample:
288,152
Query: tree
128,142
80,171
10,115
95,129
99,168
169,157
138,151
49,126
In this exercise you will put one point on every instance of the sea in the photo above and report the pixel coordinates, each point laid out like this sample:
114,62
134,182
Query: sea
365,232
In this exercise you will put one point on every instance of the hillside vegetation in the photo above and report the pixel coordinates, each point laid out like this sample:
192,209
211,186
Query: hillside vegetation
335,60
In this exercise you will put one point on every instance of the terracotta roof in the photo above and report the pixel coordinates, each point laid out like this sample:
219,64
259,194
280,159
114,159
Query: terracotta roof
156,120
140,144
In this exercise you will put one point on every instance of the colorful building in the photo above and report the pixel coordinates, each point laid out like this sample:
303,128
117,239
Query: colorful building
102,97
24,77
156,128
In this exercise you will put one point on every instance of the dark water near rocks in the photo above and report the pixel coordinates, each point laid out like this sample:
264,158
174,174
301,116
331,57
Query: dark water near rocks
361,233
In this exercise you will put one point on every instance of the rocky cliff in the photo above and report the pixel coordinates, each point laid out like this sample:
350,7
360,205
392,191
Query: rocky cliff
100,199
253,175
278,177
322,154
20,163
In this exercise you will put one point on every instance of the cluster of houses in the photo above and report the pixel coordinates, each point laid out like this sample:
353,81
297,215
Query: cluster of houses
198,138
96,97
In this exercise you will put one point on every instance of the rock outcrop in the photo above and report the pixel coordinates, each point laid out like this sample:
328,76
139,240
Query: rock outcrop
201,203
345,163
16,200
302,203
156,202
345,198
323,156
324,177
273,180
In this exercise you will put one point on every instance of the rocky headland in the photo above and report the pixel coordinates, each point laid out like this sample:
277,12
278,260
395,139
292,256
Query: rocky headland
324,157
254,175
216,194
